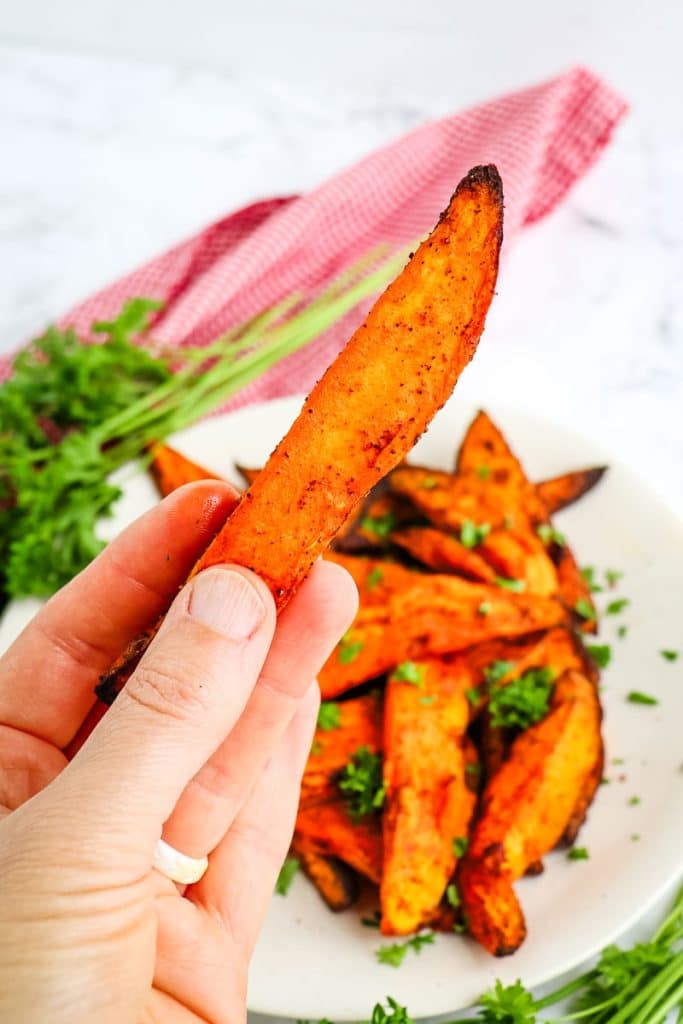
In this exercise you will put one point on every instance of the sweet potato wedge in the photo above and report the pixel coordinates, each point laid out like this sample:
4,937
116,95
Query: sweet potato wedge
428,803
171,469
323,824
371,405
336,882
443,552
485,452
574,589
430,615
328,830
526,809
564,490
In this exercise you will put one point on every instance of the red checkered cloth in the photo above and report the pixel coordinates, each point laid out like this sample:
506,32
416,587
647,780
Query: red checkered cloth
541,138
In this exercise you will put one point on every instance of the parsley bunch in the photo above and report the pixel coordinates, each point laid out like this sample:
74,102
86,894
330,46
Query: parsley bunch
73,413
362,784
521,702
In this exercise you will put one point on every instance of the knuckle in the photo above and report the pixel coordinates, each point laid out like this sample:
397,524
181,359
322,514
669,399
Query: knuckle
167,688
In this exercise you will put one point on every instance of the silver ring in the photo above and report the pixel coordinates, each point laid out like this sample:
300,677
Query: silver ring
176,865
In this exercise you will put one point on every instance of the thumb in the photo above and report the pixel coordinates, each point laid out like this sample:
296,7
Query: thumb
178,706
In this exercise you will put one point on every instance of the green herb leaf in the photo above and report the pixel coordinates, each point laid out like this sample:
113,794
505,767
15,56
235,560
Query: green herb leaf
508,1004
613,576
375,577
670,655
429,483
396,1014
497,670
460,847
452,895
484,608
549,535
348,649
516,586
601,654
427,700
578,853
409,672
286,876
585,609
329,716
634,801
638,697
362,784
622,631
614,607
472,695
472,534
483,472
395,954
588,576
380,526
523,701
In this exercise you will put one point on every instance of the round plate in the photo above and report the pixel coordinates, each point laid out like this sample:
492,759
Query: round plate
311,963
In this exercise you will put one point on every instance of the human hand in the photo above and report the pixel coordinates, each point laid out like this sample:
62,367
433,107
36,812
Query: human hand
207,741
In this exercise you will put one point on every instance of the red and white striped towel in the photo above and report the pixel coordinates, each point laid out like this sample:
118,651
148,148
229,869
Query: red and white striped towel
542,139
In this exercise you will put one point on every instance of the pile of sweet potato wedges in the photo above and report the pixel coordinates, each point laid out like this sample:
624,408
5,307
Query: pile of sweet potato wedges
466,588
466,678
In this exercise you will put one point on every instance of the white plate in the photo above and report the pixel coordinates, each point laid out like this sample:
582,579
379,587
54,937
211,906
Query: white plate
311,963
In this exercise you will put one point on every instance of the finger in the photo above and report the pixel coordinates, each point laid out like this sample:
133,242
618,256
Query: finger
198,963
27,765
164,1009
243,869
306,632
48,675
176,709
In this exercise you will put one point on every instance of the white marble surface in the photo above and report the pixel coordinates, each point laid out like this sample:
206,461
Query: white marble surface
122,133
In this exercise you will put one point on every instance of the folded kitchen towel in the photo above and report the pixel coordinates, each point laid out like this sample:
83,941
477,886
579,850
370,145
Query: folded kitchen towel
542,139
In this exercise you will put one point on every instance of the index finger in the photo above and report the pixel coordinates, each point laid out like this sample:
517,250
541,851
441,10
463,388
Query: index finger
48,675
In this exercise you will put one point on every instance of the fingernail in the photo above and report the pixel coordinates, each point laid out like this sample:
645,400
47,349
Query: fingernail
226,601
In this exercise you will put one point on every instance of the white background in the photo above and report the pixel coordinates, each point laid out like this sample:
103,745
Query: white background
126,126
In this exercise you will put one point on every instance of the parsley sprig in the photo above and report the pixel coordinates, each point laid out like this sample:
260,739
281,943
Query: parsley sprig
362,784
73,413
523,701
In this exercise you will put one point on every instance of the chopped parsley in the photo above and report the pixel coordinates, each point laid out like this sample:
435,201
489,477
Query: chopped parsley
524,701
549,535
483,472
329,716
601,654
362,784
472,694
585,609
497,670
472,534
578,853
395,954
670,655
452,895
348,649
460,847
516,586
380,526
614,607
638,697
375,577
622,631
427,700
429,483
286,876
409,672
473,770
397,1014
612,576
484,608
634,801
588,577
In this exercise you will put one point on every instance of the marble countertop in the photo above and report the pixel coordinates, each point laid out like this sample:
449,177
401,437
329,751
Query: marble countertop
118,142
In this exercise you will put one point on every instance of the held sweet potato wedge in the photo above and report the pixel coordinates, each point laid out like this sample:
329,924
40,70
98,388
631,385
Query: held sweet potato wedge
564,490
526,809
371,405
428,803
171,469
430,615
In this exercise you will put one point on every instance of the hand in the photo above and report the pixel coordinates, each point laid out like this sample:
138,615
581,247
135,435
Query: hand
207,742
